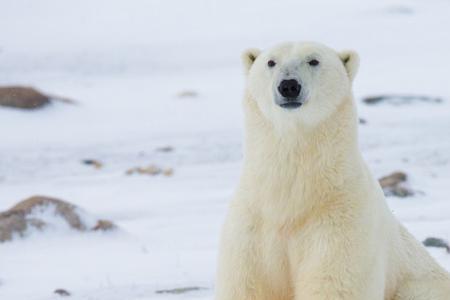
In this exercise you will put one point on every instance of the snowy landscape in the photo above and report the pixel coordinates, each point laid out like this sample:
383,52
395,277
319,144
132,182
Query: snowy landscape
157,87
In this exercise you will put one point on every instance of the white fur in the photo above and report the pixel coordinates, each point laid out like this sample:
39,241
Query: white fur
308,220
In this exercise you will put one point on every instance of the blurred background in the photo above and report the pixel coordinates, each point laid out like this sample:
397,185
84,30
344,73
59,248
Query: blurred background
124,119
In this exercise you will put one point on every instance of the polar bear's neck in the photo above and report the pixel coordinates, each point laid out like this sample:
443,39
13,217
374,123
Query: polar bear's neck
304,168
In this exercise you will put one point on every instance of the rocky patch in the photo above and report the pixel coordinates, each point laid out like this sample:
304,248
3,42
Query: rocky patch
39,212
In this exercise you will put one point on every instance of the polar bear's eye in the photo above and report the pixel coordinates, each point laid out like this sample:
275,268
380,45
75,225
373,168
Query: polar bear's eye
313,62
271,63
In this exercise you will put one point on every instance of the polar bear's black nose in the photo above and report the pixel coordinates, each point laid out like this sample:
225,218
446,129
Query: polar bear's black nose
289,88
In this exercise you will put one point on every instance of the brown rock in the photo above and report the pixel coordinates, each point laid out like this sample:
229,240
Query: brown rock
104,225
393,179
22,97
394,184
27,97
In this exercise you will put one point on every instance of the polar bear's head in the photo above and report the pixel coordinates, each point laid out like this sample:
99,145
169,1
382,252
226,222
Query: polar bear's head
299,83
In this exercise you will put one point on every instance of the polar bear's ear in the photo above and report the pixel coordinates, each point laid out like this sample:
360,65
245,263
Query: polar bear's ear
350,59
248,58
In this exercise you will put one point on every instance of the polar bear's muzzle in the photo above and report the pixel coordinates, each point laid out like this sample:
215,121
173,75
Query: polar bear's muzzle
289,90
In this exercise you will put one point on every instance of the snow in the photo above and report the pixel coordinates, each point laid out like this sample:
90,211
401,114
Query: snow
126,62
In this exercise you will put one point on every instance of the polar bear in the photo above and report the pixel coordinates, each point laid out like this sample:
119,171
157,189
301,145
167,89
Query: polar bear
308,220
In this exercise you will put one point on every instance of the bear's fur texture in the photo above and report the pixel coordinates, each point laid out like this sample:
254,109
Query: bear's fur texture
308,221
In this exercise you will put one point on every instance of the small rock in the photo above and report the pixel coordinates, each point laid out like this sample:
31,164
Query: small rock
27,97
180,290
400,99
168,172
399,9
165,149
392,179
150,170
92,162
22,97
187,94
62,292
394,185
104,225
436,242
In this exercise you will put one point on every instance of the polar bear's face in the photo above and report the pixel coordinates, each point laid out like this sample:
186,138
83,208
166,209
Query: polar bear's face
299,83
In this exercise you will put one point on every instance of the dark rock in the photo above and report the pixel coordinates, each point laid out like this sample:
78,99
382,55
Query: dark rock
62,292
400,99
362,121
165,149
92,162
181,290
436,242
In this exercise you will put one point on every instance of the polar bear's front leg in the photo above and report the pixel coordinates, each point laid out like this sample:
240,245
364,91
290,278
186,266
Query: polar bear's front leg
339,266
237,277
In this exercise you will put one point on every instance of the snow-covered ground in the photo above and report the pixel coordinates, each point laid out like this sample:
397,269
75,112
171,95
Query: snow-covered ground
125,62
